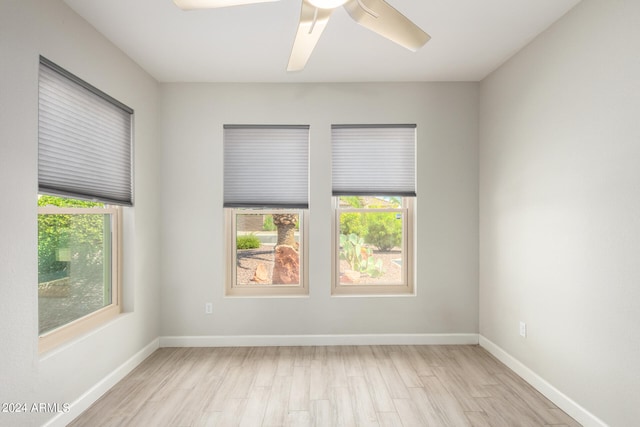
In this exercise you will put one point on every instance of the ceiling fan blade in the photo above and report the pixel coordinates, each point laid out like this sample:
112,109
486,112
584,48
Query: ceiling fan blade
312,23
212,4
380,17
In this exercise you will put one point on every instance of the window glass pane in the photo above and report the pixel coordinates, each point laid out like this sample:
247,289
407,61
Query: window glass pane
370,202
371,243
74,264
268,249
371,248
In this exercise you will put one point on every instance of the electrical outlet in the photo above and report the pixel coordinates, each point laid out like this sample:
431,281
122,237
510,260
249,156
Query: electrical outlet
523,329
208,308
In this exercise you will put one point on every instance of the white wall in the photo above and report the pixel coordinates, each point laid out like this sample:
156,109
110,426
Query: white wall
193,261
29,28
560,207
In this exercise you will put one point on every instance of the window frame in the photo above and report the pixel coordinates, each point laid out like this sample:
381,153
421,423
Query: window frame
51,339
232,289
407,287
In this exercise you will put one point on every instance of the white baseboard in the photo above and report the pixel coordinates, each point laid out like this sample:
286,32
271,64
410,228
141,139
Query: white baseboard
564,402
94,393
308,340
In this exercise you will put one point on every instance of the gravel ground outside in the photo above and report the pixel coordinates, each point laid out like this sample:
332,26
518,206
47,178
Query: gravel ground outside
248,260
82,297
391,265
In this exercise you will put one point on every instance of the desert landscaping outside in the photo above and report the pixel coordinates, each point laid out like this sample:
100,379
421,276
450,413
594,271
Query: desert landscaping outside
249,261
370,245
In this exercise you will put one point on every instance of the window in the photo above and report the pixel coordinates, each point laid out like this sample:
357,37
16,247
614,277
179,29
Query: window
374,191
266,201
84,177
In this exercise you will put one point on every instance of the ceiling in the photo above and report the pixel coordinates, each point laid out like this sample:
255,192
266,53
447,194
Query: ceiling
251,43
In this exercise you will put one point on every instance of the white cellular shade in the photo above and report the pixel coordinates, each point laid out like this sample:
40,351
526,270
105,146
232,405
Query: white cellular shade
84,140
370,160
266,166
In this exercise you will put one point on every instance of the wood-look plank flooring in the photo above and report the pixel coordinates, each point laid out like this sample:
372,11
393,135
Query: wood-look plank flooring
406,386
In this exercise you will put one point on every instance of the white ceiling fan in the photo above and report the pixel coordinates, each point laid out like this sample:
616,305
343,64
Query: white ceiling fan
376,15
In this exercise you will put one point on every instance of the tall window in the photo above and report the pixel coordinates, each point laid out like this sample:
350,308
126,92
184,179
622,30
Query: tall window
374,191
84,177
266,204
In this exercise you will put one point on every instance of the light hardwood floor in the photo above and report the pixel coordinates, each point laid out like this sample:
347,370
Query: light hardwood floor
323,386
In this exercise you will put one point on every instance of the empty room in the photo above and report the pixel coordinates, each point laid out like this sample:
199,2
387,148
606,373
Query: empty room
320,212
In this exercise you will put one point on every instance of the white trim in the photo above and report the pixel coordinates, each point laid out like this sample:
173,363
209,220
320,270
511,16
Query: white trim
563,401
94,393
310,340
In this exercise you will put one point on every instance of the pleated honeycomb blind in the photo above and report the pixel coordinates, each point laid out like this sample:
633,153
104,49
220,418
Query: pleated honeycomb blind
373,160
84,140
266,166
